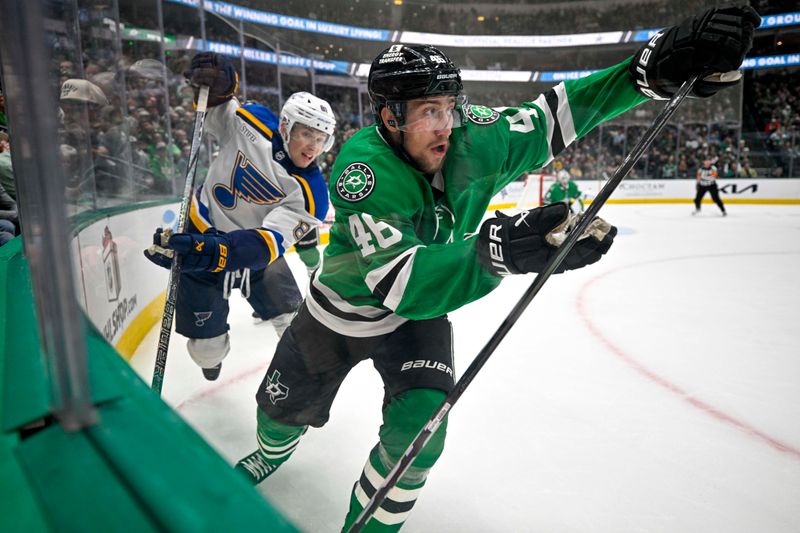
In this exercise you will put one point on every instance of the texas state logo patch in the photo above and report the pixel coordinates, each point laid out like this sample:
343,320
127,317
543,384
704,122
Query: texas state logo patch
356,182
482,115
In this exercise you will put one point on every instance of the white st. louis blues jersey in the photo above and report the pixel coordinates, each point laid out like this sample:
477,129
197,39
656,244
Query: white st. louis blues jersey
253,185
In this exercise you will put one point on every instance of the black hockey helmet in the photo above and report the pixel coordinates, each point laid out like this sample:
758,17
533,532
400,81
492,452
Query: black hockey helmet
401,73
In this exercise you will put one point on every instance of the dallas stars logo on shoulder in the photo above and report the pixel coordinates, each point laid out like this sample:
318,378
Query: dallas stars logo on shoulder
356,182
482,115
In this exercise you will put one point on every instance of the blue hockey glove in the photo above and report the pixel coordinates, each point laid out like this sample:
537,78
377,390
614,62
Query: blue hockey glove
199,252
215,71
712,43
526,242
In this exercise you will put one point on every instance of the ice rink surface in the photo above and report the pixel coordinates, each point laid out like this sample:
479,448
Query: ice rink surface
655,391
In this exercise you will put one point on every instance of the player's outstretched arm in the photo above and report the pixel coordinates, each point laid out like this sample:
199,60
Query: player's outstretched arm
526,242
712,43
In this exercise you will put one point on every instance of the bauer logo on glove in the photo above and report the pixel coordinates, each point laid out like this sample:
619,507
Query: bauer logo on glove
712,44
527,242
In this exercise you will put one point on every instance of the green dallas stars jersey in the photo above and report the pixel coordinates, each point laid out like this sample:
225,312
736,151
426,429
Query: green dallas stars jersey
400,246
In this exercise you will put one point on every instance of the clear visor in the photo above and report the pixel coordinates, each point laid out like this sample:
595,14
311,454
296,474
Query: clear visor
434,114
310,136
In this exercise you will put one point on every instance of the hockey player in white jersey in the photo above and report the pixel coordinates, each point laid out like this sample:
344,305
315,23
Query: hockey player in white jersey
264,193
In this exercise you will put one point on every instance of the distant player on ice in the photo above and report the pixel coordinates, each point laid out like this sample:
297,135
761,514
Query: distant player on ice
264,193
409,244
566,191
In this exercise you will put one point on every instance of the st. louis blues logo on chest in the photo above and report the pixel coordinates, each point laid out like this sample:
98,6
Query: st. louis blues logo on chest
247,183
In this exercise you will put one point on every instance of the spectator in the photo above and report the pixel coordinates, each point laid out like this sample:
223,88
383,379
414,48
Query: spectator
84,129
669,170
6,169
8,217
746,171
3,119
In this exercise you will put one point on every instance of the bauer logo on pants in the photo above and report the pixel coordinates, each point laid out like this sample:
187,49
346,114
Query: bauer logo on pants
356,182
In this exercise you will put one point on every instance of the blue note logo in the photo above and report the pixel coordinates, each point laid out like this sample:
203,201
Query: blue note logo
201,317
247,183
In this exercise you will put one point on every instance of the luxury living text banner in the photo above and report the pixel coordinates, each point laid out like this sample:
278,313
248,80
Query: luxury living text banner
473,41
292,23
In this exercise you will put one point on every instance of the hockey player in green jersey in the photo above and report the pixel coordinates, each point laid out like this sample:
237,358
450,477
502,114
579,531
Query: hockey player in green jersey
408,244
564,190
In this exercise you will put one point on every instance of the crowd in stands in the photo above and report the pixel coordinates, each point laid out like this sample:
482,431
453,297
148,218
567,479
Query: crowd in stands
126,122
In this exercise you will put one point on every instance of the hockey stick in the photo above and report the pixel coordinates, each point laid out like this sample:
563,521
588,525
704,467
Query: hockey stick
436,419
175,270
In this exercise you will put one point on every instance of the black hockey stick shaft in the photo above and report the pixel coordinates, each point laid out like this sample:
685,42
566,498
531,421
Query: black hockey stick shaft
175,269
438,416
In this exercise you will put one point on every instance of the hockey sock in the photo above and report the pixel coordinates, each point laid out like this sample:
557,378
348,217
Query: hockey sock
276,443
403,418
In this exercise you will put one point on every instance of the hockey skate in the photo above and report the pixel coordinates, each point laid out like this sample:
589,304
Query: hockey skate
209,353
211,374
255,468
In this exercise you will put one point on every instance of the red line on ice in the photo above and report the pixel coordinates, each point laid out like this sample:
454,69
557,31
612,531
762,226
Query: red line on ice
665,383
241,376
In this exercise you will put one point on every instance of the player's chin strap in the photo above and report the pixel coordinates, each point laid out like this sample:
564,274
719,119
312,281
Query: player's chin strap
230,282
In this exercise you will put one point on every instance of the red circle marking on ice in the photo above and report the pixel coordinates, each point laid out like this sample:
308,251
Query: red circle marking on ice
241,376
662,381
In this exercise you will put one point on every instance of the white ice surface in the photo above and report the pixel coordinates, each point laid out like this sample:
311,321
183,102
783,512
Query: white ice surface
655,391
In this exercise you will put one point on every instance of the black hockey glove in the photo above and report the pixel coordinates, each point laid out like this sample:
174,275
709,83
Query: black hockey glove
209,251
712,43
215,71
526,242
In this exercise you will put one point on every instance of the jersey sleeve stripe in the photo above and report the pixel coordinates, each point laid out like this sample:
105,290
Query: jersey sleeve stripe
198,214
388,283
308,197
556,139
273,240
542,104
248,117
564,115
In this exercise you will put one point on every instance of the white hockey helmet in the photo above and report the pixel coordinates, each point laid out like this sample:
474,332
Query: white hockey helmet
563,176
306,109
